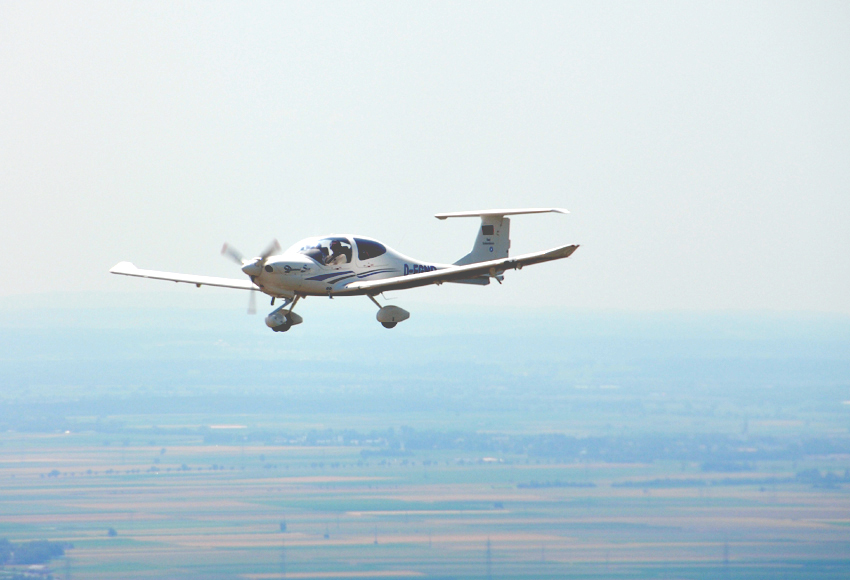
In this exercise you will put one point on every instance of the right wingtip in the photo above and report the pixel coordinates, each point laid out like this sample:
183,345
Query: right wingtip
122,268
570,250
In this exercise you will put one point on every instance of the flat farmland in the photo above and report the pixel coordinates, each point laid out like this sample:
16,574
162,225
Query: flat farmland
183,507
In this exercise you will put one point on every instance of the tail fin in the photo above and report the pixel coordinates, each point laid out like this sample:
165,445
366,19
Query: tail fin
493,240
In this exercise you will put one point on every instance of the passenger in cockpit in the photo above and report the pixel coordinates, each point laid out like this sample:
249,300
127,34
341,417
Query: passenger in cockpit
337,254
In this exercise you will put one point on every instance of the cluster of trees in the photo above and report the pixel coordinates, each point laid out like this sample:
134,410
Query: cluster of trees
814,477
557,483
34,552
827,479
717,452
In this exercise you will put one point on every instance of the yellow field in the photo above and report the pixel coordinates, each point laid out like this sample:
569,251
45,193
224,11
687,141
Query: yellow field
385,521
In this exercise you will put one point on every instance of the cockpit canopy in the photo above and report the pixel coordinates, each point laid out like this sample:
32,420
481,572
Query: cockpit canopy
368,249
337,250
327,251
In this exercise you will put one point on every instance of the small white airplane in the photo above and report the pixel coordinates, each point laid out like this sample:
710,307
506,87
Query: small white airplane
345,265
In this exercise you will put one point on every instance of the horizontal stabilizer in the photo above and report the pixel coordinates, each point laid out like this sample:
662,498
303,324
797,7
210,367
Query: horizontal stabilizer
499,212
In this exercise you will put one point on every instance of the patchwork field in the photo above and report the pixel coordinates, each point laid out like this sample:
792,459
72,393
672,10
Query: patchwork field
183,508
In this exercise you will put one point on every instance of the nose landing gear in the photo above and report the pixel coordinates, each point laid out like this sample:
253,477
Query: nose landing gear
287,324
282,319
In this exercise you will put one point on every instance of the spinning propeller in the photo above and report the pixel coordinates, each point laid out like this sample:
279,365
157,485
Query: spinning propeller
252,267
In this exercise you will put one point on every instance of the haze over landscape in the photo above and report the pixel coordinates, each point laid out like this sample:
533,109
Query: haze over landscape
672,401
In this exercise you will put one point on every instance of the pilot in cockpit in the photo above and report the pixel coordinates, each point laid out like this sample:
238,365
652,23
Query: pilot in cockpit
337,254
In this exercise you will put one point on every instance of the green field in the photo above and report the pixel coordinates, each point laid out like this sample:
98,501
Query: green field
186,508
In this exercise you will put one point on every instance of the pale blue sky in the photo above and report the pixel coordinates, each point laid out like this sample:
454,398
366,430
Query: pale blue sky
703,149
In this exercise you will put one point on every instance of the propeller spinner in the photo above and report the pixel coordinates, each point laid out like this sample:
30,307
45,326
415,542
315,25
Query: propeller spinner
252,268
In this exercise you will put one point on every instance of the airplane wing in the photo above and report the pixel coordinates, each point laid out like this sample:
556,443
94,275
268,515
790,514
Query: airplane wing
489,268
128,269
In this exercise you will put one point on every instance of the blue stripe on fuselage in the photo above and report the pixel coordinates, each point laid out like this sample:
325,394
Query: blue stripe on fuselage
373,272
340,279
326,276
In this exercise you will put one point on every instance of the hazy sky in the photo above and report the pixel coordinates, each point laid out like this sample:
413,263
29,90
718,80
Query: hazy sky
703,149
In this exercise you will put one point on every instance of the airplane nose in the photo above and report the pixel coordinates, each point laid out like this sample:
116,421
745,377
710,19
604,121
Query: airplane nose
252,268
293,265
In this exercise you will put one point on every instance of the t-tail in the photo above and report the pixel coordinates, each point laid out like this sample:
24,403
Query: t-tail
493,241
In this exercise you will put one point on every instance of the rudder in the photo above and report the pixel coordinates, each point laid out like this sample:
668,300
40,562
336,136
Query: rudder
492,242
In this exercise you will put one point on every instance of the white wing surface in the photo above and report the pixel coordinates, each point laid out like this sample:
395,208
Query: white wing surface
490,268
499,212
128,269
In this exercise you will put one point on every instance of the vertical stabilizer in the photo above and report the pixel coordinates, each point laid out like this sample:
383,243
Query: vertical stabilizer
492,242
494,236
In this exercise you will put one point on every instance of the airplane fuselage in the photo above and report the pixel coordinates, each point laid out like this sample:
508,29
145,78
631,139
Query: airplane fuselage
323,266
